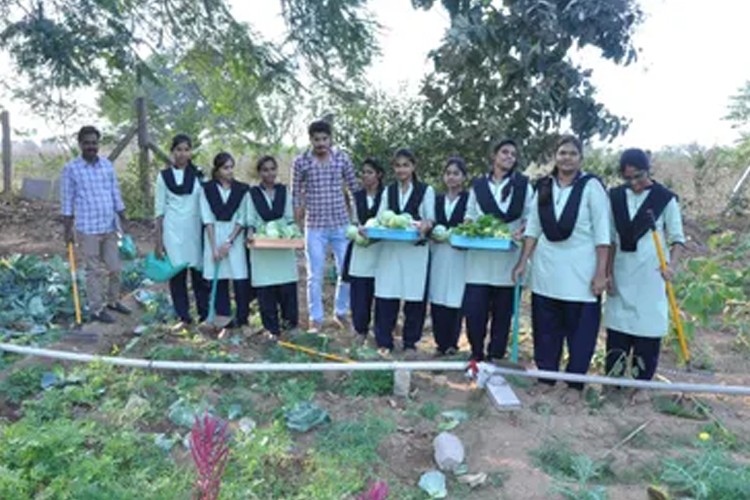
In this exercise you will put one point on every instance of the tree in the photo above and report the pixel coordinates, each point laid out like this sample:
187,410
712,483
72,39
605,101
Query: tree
505,69
61,45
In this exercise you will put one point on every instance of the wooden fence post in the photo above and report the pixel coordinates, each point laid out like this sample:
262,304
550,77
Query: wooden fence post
7,175
144,167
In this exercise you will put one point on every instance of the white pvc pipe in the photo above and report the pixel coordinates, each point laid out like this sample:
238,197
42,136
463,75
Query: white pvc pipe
375,366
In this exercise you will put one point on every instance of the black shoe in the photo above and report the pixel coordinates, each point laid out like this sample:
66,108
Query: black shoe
118,307
103,317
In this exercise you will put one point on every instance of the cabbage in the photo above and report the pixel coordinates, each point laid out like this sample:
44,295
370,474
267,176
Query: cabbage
361,240
440,233
372,223
400,222
289,232
386,217
352,232
273,233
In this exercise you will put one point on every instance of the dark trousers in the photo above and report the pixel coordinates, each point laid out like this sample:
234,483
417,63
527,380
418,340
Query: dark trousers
361,296
241,298
481,301
270,299
645,354
386,315
554,321
179,291
446,326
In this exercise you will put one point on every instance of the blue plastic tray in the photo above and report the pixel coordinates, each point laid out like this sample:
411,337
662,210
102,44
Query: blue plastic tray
379,233
501,244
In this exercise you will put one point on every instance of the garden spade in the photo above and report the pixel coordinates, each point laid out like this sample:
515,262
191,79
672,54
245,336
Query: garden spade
77,299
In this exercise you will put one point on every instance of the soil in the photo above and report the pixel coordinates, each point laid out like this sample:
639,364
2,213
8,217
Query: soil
499,444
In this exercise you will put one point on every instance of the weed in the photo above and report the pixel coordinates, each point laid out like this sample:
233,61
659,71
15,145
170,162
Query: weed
584,471
429,410
22,383
557,458
355,441
294,390
708,474
366,383
678,407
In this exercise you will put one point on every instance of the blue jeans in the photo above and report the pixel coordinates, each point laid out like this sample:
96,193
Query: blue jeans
315,248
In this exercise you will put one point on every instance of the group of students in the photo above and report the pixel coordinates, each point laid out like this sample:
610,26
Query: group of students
576,243
207,226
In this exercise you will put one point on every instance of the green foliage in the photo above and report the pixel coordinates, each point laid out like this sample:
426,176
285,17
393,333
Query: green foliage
573,472
33,291
369,383
486,226
504,69
84,459
707,286
707,474
355,441
22,383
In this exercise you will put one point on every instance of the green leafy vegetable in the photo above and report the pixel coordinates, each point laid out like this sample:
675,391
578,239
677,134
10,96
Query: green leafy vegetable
486,226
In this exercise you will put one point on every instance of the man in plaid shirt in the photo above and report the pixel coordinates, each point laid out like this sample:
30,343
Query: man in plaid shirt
91,206
319,178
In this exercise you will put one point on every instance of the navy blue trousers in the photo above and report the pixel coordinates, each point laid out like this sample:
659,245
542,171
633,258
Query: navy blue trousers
179,292
275,297
241,298
645,354
386,315
555,321
481,301
361,297
446,326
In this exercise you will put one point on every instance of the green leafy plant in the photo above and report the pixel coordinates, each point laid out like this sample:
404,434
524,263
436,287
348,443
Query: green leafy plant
708,474
486,226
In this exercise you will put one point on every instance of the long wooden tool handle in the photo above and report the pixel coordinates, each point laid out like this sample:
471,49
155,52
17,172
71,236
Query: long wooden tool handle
672,300
516,314
313,352
74,280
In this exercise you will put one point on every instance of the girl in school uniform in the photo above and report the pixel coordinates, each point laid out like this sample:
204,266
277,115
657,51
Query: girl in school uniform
401,272
179,229
447,273
274,271
360,261
223,210
636,312
506,194
568,235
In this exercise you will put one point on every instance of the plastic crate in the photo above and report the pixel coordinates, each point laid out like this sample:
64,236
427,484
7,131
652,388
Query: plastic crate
468,242
380,233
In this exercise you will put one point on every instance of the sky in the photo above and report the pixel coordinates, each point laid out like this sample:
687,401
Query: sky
693,58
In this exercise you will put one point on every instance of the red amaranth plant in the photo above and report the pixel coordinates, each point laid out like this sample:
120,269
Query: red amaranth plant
377,491
208,446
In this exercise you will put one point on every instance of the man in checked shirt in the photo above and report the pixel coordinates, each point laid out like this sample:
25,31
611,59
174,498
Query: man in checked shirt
91,207
319,178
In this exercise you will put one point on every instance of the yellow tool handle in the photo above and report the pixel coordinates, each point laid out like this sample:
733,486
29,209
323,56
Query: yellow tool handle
313,352
76,299
672,300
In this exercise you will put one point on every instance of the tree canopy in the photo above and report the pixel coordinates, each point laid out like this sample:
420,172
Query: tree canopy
504,68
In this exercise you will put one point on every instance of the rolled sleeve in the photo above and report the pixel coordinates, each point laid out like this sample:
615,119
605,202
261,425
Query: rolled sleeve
297,174
160,197
349,175
673,223
472,209
67,191
598,203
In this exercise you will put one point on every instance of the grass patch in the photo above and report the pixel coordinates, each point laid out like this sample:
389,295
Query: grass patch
679,407
368,383
355,441
574,474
